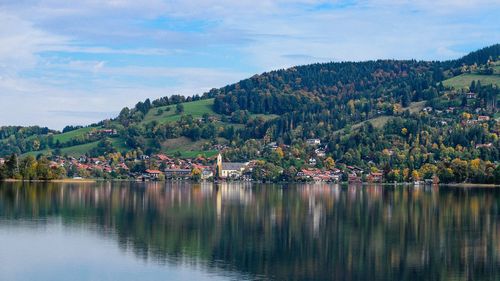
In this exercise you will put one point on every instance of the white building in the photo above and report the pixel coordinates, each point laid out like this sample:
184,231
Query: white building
313,141
230,169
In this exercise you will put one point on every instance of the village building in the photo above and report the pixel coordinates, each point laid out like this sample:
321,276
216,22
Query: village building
273,145
206,171
484,145
230,170
470,95
318,175
450,110
177,173
152,174
313,141
207,174
320,152
2,161
104,132
162,157
233,170
354,178
375,177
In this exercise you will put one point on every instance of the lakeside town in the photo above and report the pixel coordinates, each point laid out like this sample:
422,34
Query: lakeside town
312,160
160,167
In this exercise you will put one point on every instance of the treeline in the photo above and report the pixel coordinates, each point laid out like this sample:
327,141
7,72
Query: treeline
480,56
29,168
18,132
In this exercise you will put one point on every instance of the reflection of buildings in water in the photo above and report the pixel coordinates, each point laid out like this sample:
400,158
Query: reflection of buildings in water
374,191
233,194
207,189
317,195
148,214
236,193
352,191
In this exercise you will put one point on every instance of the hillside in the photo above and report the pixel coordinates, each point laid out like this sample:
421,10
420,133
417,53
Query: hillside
377,113
84,140
487,74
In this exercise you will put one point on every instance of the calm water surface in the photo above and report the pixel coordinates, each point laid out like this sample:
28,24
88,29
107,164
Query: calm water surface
141,231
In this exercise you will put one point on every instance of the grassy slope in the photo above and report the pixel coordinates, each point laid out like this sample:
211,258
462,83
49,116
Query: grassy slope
380,121
184,146
65,137
464,80
79,150
195,108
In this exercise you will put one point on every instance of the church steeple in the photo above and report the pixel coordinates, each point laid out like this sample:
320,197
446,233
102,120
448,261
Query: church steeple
219,166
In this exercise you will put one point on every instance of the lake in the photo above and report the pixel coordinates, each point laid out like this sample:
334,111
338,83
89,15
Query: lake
182,231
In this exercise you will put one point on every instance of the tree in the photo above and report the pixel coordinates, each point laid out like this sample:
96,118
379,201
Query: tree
12,167
28,168
179,108
196,174
329,163
43,170
405,100
415,175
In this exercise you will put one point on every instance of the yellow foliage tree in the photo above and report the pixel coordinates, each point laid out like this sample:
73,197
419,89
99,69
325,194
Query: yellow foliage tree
329,163
415,175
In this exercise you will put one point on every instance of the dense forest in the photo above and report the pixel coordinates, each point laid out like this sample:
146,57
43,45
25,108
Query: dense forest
408,119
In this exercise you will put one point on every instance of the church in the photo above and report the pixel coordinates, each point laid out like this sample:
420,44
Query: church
229,170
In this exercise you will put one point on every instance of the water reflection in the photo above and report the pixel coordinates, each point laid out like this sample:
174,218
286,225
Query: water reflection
296,232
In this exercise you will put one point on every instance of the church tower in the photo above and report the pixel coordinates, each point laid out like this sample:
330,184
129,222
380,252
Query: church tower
219,166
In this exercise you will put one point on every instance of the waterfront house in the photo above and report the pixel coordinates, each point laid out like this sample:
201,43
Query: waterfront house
318,175
177,173
354,178
2,161
206,174
375,177
152,174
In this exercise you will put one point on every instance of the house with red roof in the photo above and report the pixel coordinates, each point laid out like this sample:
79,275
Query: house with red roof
152,174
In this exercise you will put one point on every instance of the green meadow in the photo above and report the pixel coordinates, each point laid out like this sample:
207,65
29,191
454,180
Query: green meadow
464,80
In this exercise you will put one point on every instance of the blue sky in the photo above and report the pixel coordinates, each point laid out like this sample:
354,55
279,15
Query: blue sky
78,62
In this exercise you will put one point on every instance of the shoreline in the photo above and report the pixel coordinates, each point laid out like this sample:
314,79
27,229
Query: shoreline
54,181
458,185
471,185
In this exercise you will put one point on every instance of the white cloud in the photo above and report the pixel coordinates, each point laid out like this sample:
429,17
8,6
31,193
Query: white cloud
97,56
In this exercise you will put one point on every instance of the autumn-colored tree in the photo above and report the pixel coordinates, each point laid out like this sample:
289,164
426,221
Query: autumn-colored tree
329,163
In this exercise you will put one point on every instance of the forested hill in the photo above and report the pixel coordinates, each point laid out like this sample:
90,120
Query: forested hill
379,114
479,57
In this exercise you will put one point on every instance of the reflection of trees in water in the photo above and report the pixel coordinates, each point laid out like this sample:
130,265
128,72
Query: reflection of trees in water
299,232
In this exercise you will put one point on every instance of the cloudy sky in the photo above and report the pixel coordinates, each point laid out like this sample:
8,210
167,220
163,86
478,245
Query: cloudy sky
76,62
